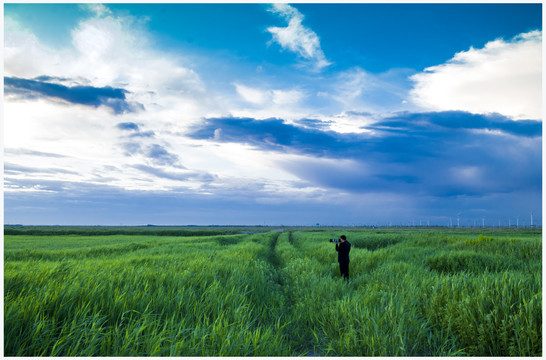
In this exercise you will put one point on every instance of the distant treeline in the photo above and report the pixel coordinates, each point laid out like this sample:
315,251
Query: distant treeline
121,230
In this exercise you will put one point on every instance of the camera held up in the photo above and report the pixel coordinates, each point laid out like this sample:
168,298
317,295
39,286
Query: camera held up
334,240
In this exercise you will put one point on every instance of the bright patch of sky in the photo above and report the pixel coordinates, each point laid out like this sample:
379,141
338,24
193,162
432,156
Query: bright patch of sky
338,114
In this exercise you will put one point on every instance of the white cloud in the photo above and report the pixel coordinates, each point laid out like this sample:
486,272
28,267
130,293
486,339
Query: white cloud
505,76
24,55
274,97
115,51
106,51
287,97
297,38
252,95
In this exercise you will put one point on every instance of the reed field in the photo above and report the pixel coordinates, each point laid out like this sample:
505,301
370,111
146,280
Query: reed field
255,292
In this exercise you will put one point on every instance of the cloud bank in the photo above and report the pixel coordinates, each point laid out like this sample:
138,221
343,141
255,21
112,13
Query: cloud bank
505,76
431,154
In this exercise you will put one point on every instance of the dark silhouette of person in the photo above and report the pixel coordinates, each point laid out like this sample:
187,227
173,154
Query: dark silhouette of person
343,249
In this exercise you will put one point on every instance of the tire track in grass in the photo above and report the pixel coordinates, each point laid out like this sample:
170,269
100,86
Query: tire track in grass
311,336
282,254
273,258
286,313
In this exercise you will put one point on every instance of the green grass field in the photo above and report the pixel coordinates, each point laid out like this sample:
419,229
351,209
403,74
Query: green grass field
213,292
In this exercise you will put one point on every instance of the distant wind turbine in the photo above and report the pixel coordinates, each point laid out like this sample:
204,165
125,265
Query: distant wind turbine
532,212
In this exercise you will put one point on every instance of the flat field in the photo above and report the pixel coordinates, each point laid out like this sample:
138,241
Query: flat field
231,292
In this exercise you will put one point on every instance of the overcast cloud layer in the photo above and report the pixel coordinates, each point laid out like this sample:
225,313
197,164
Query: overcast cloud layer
113,128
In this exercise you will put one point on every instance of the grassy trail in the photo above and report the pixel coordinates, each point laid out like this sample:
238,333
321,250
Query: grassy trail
298,338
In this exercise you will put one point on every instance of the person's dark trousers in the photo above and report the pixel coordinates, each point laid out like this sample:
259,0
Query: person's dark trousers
344,270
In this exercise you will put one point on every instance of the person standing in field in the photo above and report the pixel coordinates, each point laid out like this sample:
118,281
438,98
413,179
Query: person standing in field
343,248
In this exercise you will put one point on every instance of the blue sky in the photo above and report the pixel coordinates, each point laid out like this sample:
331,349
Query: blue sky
296,114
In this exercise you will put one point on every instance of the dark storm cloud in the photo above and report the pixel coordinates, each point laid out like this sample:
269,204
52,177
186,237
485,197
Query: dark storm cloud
404,138
271,134
459,120
439,154
114,98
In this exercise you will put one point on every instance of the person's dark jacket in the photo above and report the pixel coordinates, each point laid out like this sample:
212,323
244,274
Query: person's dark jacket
343,249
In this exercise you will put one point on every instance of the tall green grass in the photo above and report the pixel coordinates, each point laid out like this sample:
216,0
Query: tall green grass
411,293
188,296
